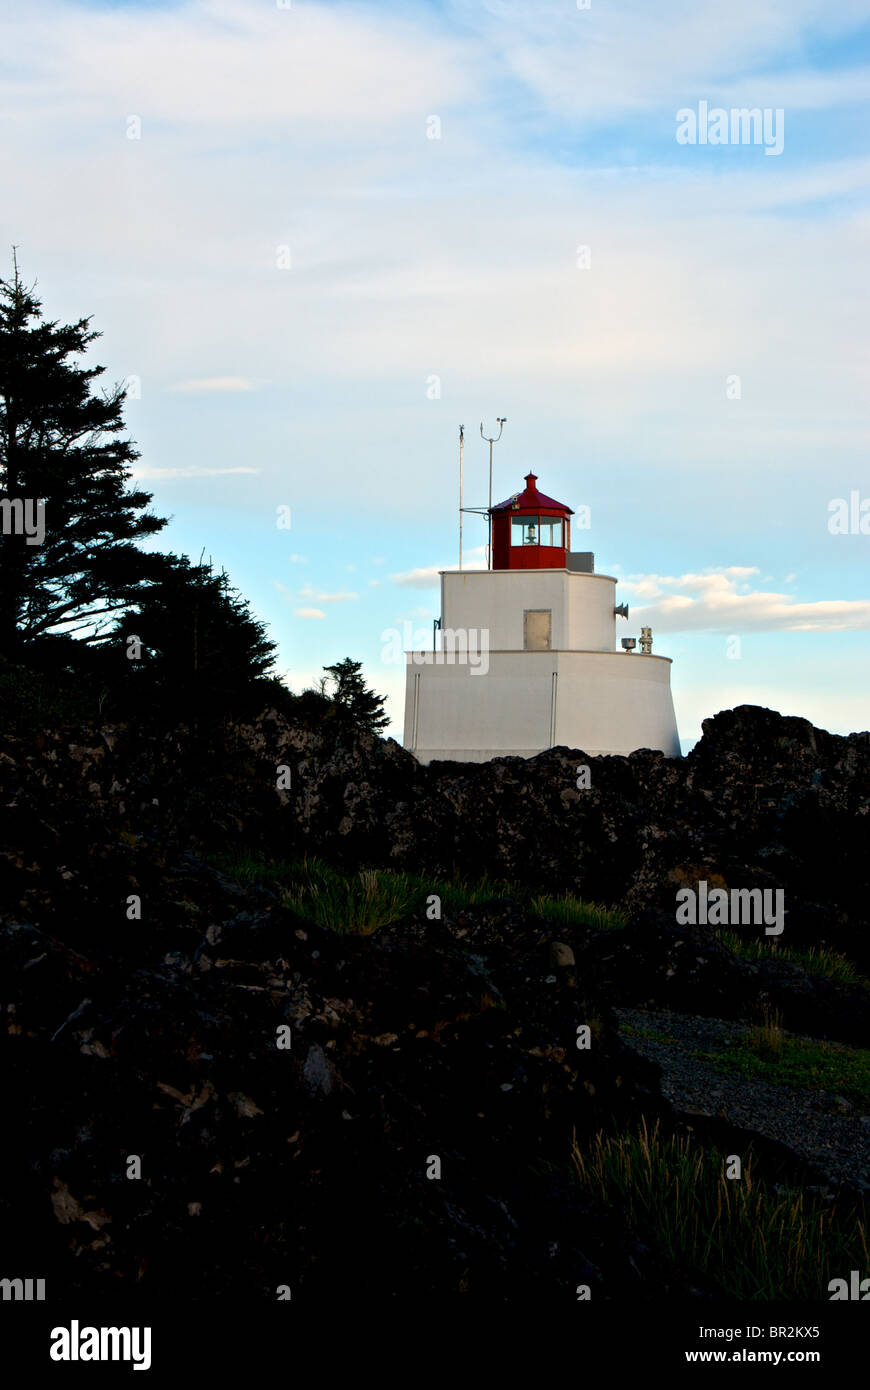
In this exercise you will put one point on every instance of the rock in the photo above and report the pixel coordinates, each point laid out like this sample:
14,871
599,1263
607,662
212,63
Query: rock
318,1071
561,955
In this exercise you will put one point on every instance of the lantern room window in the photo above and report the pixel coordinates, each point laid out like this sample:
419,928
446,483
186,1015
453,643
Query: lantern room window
537,530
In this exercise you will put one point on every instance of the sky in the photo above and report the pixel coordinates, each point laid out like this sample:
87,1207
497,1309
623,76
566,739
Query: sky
319,237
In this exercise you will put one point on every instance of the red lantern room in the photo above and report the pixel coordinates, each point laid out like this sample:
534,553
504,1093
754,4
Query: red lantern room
530,531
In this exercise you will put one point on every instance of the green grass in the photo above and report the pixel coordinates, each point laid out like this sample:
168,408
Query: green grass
801,1062
569,911
458,893
751,1240
360,901
815,960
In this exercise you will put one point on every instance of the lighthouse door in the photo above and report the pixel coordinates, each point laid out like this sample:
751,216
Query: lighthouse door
536,629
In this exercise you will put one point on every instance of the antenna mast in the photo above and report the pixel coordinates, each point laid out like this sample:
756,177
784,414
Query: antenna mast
461,442
501,421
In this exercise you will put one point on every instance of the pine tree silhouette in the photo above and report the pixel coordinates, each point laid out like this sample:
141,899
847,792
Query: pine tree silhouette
63,444
356,703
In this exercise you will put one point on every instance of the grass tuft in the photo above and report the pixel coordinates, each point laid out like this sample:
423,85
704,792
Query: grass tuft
358,903
766,1038
569,911
753,1240
815,960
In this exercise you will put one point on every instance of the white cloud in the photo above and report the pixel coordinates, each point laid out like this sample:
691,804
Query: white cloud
427,578
308,613
215,65
654,585
634,57
717,600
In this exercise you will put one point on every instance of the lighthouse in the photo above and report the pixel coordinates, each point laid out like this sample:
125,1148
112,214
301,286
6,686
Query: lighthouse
527,655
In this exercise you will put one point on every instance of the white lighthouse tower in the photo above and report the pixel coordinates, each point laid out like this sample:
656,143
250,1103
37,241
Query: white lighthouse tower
527,656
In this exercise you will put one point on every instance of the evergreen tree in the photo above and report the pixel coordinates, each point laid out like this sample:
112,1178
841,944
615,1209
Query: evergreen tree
356,703
201,649
63,444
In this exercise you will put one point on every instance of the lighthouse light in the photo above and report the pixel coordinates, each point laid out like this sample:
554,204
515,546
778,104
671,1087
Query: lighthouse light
531,534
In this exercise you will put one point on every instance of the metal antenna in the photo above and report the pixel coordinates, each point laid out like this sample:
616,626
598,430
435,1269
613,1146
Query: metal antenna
501,421
461,443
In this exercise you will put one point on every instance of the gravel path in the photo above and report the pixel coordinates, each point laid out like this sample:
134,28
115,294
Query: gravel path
821,1128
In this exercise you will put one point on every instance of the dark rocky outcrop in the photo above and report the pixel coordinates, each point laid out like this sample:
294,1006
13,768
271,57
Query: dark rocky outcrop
762,801
455,1038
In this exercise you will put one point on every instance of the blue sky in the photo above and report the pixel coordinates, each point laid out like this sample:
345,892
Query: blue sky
313,295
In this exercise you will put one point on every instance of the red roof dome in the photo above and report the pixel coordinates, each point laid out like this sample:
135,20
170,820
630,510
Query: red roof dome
531,499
